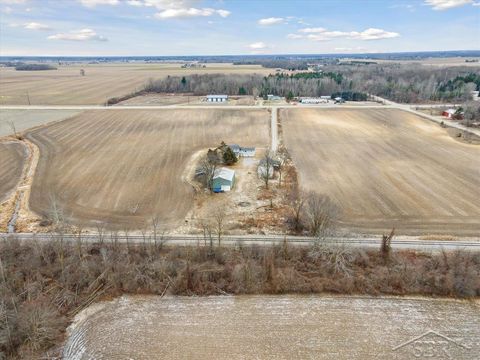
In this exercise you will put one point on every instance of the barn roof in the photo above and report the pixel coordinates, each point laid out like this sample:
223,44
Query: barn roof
217,96
224,173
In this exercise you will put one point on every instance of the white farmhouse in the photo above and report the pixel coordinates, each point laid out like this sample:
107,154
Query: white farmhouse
241,151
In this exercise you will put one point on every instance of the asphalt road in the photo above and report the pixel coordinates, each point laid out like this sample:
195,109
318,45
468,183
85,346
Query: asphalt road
398,243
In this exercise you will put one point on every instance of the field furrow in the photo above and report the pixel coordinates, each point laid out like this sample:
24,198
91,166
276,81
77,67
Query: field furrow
386,168
124,167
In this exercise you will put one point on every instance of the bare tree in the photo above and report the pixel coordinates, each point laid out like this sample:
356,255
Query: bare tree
218,217
208,168
206,226
296,200
386,247
14,130
265,168
280,171
321,213
100,232
56,214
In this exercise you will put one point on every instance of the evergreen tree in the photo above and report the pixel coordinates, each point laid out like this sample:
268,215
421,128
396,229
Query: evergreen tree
229,156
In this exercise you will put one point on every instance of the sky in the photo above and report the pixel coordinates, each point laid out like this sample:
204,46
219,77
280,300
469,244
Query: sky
213,27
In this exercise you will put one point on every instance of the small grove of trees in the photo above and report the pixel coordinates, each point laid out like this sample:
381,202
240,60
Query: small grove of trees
34,67
313,212
351,96
471,112
255,85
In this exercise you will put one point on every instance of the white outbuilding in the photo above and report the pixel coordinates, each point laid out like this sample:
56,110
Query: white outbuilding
217,98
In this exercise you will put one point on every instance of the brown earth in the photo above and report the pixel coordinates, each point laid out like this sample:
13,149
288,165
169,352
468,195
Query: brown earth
12,157
65,86
123,167
387,168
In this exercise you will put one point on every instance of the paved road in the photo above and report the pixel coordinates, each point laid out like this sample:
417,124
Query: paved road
160,107
401,242
274,129
412,109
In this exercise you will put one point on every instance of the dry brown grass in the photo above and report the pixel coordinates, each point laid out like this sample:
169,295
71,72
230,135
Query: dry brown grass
66,86
123,167
386,168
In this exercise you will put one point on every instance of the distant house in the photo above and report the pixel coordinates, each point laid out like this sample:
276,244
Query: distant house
223,180
217,98
240,151
313,101
272,97
448,113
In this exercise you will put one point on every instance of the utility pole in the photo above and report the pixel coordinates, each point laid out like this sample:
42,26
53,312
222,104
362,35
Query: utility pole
28,98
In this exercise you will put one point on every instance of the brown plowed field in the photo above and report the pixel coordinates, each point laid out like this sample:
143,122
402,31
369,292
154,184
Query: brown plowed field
65,86
387,168
122,167
12,157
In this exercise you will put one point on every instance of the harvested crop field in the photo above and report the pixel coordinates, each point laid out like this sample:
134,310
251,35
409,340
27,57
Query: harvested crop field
124,167
275,327
387,168
25,119
65,86
12,157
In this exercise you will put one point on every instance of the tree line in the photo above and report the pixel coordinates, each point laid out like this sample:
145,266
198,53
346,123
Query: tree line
310,84
409,83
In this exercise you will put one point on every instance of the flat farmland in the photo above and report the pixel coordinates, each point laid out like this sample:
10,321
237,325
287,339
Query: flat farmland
25,119
65,86
386,168
12,157
122,167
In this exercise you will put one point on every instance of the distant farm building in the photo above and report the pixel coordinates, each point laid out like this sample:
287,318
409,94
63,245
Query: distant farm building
240,151
223,180
217,98
452,114
272,97
316,100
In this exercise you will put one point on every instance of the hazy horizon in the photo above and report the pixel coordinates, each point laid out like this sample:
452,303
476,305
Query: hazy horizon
215,28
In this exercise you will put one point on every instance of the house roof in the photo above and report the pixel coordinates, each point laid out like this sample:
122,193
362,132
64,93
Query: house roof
238,148
217,96
224,173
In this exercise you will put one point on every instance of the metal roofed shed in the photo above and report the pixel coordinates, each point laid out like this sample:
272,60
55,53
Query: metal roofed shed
223,180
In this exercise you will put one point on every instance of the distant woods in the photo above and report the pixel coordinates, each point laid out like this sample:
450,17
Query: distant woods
410,83
300,84
34,67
